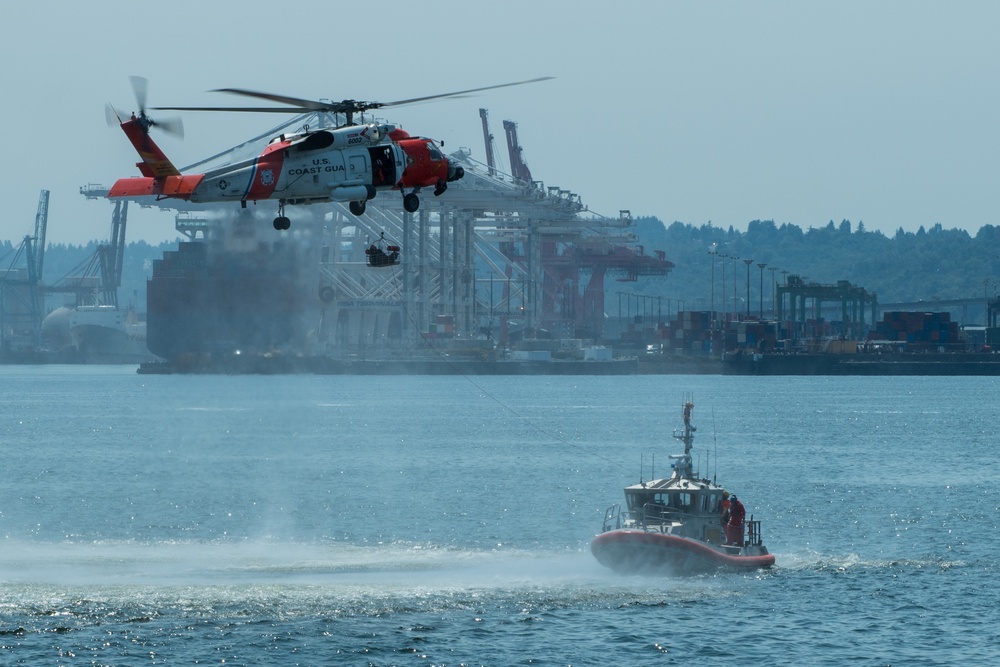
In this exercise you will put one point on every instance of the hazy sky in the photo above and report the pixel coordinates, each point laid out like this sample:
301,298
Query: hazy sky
800,112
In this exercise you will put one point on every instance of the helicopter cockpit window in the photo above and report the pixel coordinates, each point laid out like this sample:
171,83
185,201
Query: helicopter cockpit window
434,152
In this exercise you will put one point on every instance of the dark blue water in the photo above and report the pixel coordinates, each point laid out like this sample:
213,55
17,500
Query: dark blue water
163,520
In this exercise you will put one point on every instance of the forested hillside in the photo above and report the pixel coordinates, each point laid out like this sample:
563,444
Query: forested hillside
925,265
62,261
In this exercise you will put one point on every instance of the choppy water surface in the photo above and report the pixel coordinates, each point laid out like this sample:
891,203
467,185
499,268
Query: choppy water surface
446,520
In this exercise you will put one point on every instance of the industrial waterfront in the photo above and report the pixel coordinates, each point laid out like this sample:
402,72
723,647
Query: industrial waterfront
502,274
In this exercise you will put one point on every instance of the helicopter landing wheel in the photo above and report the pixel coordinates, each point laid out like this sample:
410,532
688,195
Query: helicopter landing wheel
281,222
411,203
357,207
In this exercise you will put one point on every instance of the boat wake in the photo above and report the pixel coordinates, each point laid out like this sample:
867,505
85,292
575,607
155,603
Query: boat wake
182,563
113,580
816,562
340,570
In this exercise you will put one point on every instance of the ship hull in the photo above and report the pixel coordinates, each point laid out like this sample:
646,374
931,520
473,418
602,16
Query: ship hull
644,552
98,344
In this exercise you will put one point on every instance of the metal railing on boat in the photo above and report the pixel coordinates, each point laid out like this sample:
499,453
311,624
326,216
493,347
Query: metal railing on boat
658,515
612,515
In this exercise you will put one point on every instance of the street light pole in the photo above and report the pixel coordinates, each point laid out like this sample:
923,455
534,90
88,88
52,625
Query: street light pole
774,292
722,303
711,323
748,262
784,281
736,304
761,266
986,299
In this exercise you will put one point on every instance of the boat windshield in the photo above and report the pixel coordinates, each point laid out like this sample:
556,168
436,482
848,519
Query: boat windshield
637,500
684,501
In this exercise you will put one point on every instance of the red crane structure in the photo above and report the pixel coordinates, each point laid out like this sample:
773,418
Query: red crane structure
571,258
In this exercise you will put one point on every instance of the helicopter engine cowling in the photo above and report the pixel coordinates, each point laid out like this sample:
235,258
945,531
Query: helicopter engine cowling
344,137
352,193
355,135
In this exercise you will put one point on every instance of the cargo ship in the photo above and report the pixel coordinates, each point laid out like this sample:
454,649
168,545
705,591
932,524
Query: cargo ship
255,308
206,303
92,335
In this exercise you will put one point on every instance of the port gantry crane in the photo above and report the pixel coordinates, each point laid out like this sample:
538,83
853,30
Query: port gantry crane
21,303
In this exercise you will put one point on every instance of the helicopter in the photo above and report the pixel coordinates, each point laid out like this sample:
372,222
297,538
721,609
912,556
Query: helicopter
350,163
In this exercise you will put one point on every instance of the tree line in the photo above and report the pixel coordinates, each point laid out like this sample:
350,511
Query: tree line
63,261
929,264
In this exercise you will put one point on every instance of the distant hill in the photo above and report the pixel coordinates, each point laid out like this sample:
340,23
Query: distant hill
910,266
62,260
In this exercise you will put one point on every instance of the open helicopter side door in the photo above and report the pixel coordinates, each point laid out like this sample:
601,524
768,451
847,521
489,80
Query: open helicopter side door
383,166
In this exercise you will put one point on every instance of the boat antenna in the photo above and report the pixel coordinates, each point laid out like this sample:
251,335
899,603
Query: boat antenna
640,467
715,445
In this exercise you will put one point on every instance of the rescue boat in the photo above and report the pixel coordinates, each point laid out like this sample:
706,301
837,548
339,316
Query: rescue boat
679,526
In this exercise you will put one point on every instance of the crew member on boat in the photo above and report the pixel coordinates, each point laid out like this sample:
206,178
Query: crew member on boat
734,528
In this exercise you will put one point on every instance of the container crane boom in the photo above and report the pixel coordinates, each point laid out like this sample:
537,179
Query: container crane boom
488,138
518,169
41,223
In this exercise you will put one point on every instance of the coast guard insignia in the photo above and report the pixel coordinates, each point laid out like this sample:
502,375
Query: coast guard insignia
267,177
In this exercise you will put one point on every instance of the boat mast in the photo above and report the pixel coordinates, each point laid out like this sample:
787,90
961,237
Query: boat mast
683,468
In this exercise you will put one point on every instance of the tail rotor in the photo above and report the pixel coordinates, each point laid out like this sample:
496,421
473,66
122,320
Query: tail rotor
140,88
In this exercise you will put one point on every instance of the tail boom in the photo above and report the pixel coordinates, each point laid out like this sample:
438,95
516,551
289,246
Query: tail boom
159,176
179,187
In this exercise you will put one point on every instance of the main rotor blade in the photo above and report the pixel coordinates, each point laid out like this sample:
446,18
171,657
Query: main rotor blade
465,92
299,105
250,109
296,105
281,99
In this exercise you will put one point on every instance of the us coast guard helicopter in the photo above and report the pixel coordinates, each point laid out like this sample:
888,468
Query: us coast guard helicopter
350,163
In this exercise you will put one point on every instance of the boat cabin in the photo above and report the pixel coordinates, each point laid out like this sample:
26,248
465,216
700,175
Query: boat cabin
687,501
686,507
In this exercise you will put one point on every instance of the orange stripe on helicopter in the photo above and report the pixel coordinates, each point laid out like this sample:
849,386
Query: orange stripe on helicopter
267,169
